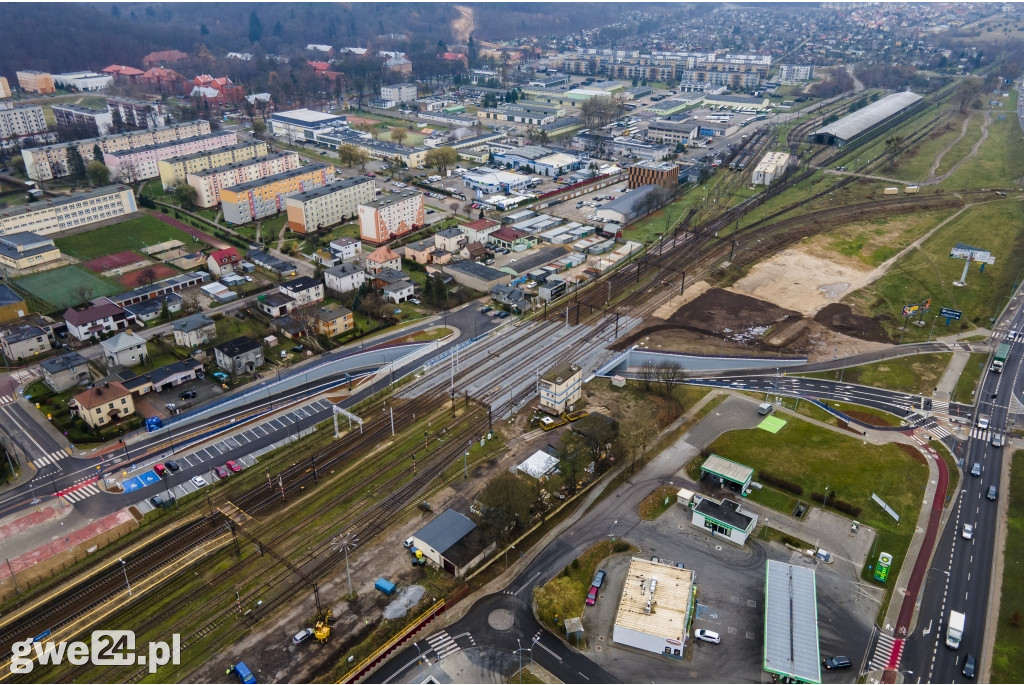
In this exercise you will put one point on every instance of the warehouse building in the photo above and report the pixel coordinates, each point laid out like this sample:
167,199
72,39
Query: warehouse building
332,204
301,124
772,167
654,609
877,114
633,205
453,542
791,648
473,275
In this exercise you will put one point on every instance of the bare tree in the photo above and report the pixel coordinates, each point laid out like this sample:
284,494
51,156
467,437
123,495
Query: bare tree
965,92
648,372
668,375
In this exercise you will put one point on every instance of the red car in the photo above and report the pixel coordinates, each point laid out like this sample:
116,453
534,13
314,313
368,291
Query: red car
592,595
233,466
221,472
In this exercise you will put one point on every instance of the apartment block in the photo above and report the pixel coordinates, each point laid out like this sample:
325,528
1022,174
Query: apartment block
175,170
329,205
400,92
390,216
61,213
5,88
210,182
93,122
140,163
138,113
32,81
51,161
25,120
256,199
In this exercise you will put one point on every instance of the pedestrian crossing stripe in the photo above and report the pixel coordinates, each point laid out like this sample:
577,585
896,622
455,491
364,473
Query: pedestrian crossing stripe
443,644
940,406
51,458
79,494
939,431
979,433
881,657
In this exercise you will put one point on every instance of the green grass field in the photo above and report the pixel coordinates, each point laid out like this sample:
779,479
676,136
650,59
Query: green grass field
67,286
916,374
873,242
133,234
1008,655
968,382
999,161
930,273
815,457
919,159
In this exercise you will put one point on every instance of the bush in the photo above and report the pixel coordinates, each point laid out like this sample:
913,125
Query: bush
781,483
845,507
620,546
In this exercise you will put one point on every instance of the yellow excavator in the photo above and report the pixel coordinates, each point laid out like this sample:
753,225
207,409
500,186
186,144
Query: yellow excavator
322,631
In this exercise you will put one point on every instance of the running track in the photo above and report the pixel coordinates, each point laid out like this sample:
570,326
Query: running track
205,237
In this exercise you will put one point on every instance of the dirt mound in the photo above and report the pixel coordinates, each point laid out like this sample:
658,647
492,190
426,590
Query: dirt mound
839,318
729,315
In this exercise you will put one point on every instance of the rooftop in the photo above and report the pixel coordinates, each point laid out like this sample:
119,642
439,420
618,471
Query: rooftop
863,119
168,144
63,362
394,198
8,296
305,116
64,200
333,187
727,511
242,163
207,153
444,531
274,178
727,469
669,600
561,373
476,270
791,622
99,395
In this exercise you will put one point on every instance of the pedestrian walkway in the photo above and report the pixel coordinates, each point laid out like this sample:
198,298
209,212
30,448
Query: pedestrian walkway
80,492
51,458
20,376
443,644
886,654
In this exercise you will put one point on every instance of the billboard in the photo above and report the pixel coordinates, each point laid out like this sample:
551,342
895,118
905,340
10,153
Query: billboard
918,308
882,567
973,254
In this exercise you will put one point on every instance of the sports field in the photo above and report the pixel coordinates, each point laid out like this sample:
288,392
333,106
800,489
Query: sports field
112,261
67,286
133,234
133,279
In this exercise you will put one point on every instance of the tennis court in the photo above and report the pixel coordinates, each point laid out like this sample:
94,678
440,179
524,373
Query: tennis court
67,286
156,272
772,424
112,261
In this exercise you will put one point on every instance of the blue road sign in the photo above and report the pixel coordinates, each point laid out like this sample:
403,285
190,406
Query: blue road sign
950,313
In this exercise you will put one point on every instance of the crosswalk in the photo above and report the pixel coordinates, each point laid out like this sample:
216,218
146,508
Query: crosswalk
940,407
51,458
443,644
981,433
25,375
6,399
887,653
80,493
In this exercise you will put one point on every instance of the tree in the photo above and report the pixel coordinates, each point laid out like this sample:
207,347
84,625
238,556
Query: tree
259,128
965,92
76,165
441,158
506,500
352,156
99,174
669,375
399,134
255,27
165,310
278,29
186,195
189,302
576,456
639,432
18,164
97,152
147,276
893,149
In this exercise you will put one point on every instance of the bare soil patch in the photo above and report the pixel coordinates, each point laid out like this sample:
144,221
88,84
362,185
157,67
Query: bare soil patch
799,281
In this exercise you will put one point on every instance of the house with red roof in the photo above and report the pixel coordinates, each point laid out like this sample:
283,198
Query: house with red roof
511,238
319,67
455,57
164,80
383,258
123,74
216,91
162,57
221,262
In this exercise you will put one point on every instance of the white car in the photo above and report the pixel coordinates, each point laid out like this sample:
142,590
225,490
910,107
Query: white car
707,636
968,531
199,481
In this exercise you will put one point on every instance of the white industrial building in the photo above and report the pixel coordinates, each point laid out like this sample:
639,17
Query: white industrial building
453,542
771,167
489,181
301,124
654,610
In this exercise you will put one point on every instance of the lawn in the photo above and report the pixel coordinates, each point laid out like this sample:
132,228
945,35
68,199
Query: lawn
916,374
930,273
814,457
916,162
66,286
968,381
133,234
872,242
999,160
231,327
563,596
1008,655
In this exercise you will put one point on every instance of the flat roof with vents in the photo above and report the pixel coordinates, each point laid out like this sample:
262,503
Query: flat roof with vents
667,617
791,622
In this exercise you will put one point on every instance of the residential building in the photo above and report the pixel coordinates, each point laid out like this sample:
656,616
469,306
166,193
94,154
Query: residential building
61,213
473,275
664,630
83,81
512,239
32,81
26,338
153,308
383,258
795,74
21,121
388,276
561,388
346,249
412,157
5,88
419,251
176,169
90,122
11,305
510,296
263,197
302,124
138,113
26,250
344,277
100,317
737,72
480,230
399,65
51,161
274,265
208,183
304,289
450,239
332,204
276,304
123,74
771,167
162,57
65,371
194,330
163,80
391,216
333,320
399,92
398,292
241,355
665,174
223,261
142,162
124,349
103,404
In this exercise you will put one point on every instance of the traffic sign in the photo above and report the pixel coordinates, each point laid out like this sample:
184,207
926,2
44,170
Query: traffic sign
950,313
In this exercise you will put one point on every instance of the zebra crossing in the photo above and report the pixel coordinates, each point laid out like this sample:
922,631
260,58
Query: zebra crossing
443,644
887,653
25,375
51,458
981,433
939,407
80,493
6,399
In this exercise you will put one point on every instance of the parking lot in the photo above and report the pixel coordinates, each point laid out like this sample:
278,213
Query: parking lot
174,484
206,389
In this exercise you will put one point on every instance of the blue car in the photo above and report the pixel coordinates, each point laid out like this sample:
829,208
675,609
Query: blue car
503,315
220,375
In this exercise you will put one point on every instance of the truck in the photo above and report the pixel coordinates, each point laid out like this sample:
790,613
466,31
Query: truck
1002,352
955,629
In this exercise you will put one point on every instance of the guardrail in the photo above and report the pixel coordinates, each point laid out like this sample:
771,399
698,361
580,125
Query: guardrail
363,666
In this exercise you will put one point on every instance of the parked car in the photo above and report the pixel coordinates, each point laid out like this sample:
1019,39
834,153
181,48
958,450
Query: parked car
233,466
221,472
707,636
486,309
172,465
836,662
189,394
160,469
592,596
502,315
302,635
599,578
298,348
415,300
157,501
199,481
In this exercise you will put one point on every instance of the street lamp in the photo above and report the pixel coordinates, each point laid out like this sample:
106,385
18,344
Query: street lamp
347,542
125,569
